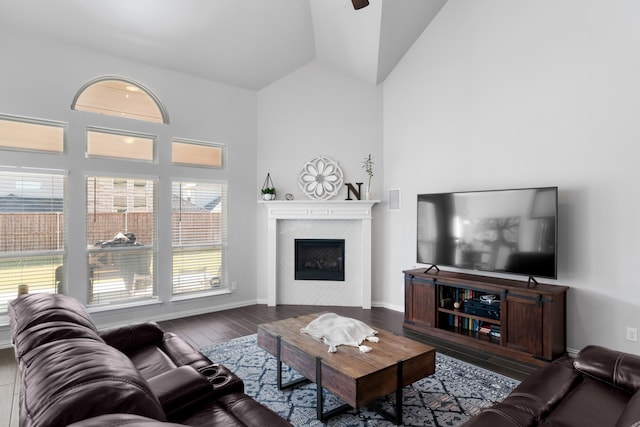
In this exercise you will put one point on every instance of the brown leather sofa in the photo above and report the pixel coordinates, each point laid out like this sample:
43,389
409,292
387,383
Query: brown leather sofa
138,375
598,388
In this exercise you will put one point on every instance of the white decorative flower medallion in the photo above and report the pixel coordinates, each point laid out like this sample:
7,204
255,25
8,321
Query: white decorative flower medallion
320,178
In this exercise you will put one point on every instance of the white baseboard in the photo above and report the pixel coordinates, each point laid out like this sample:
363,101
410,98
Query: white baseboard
179,314
373,304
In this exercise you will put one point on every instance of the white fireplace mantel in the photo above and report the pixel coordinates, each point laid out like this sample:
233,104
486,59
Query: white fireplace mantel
358,210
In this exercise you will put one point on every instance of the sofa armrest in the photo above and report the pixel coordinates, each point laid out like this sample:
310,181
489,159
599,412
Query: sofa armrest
182,353
180,388
132,337
616,368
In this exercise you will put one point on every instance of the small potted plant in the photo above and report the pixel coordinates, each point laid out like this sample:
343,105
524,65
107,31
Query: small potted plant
268,189
268,193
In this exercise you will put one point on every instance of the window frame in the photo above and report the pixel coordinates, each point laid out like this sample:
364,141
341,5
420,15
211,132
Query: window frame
38,122
163,111
222,147
123,133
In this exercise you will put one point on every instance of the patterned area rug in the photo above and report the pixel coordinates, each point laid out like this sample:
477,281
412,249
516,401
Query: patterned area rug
451,396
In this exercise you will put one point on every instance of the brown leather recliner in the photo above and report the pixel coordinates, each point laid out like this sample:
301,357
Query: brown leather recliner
598,388
73,374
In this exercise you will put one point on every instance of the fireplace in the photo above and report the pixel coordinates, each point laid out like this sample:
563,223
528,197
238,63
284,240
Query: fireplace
319,259
288,220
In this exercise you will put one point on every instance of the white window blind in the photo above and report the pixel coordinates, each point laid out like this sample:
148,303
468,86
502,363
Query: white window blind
199,234
121,236
32,238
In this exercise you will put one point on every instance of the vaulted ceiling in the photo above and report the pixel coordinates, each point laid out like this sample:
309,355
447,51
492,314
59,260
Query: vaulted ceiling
244,43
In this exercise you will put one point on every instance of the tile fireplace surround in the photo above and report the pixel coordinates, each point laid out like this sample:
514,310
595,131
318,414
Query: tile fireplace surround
348,219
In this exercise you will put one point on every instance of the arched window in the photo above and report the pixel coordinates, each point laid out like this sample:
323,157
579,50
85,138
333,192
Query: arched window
120,97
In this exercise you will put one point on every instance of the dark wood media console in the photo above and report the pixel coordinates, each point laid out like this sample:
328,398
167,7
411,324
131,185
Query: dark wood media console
510,318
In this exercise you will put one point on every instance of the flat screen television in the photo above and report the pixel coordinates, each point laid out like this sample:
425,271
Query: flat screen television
507,231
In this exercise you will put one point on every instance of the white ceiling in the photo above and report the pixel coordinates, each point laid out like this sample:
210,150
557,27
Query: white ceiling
243,43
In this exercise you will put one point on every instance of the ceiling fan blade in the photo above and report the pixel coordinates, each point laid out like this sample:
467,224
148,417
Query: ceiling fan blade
359,4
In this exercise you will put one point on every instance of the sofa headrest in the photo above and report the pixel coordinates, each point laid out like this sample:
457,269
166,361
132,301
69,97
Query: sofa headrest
69,380
32,309
44,333
37,319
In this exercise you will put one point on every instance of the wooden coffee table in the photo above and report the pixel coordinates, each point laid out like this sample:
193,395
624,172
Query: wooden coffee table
355,377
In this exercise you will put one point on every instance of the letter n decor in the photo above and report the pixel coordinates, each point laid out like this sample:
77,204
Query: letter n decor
351,188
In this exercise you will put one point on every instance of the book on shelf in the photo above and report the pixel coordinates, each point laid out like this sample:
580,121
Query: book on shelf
484,328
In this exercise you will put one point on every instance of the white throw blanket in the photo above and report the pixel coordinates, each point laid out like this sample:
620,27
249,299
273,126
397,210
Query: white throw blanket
335,330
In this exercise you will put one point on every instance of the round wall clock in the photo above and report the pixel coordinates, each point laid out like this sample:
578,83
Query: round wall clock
320,178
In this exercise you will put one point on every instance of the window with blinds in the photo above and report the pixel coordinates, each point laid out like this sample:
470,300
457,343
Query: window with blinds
198,236
32,237
121,236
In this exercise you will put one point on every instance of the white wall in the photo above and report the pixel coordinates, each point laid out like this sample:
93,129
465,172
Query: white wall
39,79
317,111
502,94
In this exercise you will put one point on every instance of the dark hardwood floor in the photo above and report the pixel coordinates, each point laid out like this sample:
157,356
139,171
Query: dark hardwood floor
207,329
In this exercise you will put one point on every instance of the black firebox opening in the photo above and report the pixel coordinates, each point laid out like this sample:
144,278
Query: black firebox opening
319,259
